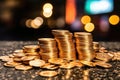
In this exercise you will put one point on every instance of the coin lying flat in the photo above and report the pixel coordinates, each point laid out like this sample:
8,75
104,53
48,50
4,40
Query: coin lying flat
17,59
11,64
88,63
32,54
28,58
20,54
49,66
57,61
103,56
31,48
48,73
23,67
103,64
67,66
18,51
36,63
77,63
6,58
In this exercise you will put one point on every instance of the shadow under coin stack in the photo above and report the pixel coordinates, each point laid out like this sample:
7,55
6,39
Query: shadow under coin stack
84,46
65,44
48,48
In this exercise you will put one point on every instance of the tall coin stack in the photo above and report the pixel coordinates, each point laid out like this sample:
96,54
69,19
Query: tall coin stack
65,44
84,46
48,48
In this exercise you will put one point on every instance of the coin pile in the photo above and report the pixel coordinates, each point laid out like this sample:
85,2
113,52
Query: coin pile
48,48
65,44
84,46
24,59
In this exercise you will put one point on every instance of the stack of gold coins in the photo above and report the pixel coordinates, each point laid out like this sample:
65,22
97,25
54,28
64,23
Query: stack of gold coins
65,44
96,46
48,48
84,46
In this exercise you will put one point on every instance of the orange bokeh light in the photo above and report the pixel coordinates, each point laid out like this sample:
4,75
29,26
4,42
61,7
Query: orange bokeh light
70,11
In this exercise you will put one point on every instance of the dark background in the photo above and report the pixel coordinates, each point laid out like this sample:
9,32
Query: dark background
14,28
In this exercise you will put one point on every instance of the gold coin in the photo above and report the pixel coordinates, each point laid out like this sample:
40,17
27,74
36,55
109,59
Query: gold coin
36,63
17,59
28,58
88,63
48,73
49,66
6,58
11,64
67,65
76,63
18,51
57,61
20,54
103,64
103,56
23,67
31,48
32,54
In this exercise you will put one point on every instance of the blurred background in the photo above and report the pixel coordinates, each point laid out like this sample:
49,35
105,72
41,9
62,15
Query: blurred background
33,19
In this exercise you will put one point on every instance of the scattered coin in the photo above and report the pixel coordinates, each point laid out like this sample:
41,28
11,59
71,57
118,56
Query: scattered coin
76,63
57,61
23,67
11,64
49,66
103,64
67,65
36,63
6,58
28,58
88,63
48,73
20,54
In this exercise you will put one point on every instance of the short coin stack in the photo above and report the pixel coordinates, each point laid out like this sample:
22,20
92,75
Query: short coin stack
84,46
65,44
48,48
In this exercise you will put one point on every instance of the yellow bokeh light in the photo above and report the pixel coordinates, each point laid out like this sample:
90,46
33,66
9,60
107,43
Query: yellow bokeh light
38,21
89,27
86,19
114,19
47,6
47,15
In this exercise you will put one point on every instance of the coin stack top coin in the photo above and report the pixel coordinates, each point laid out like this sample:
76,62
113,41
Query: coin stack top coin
84,46
48,48
65,44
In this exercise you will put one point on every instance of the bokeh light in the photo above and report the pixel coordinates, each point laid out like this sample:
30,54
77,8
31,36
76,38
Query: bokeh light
47,15
35,23
47,6
38,21
70,11
86,19
89,27
114,19
47,10
28,23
